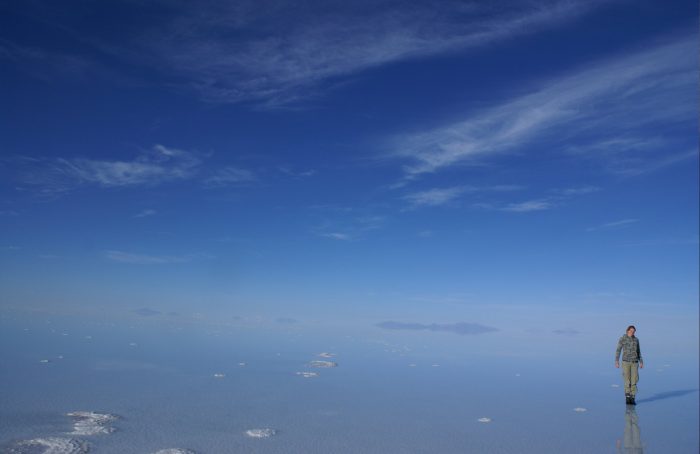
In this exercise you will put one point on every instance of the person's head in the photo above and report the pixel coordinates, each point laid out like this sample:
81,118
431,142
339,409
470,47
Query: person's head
631,330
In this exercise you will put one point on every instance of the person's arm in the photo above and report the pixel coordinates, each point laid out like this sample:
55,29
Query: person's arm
639,355
617,353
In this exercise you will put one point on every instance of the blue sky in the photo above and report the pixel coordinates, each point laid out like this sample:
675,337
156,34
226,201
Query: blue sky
388,160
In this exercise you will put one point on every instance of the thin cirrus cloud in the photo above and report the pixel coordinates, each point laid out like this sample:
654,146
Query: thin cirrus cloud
434,197
350,229
444,196
145,213
229,176
275,60
632,96
529,205
144,259
52,177
160,164
557,198
613,225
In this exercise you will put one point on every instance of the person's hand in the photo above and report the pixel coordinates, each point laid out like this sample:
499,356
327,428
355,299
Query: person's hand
641,365
617,364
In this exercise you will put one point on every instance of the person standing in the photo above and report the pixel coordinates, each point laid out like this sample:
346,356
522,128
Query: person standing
631,362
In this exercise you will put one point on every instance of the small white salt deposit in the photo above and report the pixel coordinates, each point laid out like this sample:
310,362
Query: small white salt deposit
484,420
44,361
241,364
326,355
133,344
219,375
260,433
308,374
614,385
580,409
323,364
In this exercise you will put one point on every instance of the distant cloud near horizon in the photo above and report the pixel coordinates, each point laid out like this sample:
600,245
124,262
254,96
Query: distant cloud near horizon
146,312
566,332
462,328
144,259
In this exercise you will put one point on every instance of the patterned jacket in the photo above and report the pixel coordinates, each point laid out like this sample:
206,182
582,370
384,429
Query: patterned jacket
630,347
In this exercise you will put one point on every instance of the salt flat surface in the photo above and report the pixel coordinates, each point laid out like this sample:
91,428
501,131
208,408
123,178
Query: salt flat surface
472,403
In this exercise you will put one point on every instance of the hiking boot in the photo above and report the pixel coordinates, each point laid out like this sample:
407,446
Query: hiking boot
632,401
628,399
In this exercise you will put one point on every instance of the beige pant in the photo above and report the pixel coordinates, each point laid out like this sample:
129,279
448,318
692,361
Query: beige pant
630,376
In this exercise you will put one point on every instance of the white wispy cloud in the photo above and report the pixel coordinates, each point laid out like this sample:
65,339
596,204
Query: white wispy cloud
346,224
297,173
529,205
434,197
145,213
160,164
337,236
579,190
626,96
229,176
444,196
144,259
154,166
613,225
283,51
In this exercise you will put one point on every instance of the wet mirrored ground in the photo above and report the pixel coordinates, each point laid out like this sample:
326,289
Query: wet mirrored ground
125,388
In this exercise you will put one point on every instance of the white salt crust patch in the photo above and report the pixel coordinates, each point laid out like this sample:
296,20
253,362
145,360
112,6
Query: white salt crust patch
49,445
580,409
484,420
91,423
260,433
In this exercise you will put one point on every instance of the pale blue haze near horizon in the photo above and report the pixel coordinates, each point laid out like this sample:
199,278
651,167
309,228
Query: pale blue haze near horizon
496,188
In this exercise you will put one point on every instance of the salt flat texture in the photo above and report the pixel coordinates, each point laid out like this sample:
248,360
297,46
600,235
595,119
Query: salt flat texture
91,423
260,433
50,445
323,364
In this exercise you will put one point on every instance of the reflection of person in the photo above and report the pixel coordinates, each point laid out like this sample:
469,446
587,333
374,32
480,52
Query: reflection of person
631,441
631,361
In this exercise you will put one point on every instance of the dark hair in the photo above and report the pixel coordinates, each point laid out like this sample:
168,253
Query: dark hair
631,327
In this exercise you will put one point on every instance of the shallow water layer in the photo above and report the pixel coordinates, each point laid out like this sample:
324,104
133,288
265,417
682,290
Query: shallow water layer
144,389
